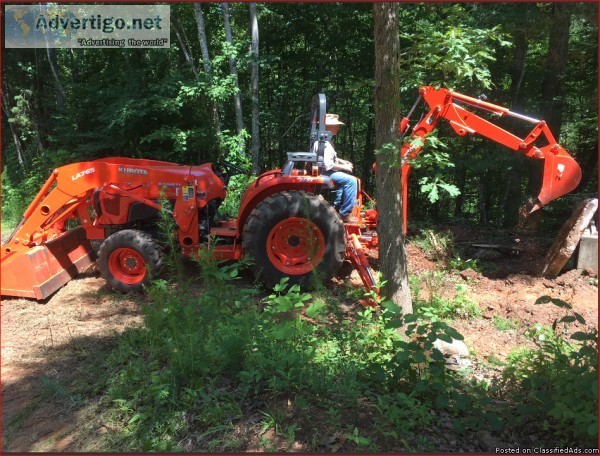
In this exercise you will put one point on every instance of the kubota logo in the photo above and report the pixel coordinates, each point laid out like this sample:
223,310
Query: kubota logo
133,171
83,173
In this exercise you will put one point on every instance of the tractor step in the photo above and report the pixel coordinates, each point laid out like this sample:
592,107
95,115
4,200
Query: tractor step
42,270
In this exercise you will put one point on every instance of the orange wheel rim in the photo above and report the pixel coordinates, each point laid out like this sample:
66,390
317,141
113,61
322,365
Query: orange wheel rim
295,246
127,266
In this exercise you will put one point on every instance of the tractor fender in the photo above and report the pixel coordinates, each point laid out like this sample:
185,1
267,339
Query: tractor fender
273,182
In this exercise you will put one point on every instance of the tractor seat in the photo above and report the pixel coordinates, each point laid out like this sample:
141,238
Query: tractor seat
310,158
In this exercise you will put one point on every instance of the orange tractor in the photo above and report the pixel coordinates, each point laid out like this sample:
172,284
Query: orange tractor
284,222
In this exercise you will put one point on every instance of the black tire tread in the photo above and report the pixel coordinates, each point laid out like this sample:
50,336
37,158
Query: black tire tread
287,204
144,243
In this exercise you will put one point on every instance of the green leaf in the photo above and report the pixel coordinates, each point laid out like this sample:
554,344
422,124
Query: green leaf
411,318
283,331
391,307
314,310
441,401
496,423
567,319
445,338
458,426
393,324
454,333
419,357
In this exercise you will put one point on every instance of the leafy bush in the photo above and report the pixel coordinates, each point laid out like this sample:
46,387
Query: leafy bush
556,384
437,306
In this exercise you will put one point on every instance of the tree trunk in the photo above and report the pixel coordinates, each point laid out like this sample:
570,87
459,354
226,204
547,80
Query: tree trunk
483,220
185,46
17,141
556,62
517,71
368,158
590,169
392,255
461,180
239,119
255,142
57,82
206,62
568,238
552,90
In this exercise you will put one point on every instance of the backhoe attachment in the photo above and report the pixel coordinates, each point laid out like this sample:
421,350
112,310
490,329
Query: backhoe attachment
561,172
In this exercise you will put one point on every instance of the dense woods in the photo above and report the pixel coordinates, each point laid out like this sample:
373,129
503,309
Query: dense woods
219,91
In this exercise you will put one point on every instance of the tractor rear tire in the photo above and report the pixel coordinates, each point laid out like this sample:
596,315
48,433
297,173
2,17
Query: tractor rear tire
297,235
128,259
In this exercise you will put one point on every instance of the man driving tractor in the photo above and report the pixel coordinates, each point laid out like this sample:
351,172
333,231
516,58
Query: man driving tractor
339,171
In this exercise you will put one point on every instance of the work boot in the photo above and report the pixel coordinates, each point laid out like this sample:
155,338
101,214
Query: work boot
351,219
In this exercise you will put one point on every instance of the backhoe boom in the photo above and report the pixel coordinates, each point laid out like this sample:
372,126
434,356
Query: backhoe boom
561,172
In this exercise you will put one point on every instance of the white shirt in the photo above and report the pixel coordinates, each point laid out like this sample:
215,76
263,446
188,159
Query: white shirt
329,155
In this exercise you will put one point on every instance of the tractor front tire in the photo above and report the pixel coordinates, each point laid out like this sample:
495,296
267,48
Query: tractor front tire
297,235
128,259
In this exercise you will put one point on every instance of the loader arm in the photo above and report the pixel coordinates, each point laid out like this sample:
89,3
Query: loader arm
42,254
561,172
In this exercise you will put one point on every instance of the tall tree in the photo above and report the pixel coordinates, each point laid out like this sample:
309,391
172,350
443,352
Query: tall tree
239,118
392,255
556,63
206,60
7,112
186,48
255,142
552,84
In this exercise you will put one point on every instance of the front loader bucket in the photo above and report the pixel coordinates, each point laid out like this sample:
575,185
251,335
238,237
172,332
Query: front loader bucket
42,270
561,175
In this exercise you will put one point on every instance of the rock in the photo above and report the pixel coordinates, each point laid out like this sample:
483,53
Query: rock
456,353
588,272
468,274
488,315
487,442
457,348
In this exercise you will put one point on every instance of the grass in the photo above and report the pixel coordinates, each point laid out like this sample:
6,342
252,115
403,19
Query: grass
227,370
224,368
504,324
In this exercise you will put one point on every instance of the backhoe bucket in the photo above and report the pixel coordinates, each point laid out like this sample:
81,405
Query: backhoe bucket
40,271
561,175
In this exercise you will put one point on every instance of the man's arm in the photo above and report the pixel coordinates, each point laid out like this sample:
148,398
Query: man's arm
343,165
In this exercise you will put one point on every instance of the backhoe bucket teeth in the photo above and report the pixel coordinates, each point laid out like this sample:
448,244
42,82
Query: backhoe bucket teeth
40,271
562,174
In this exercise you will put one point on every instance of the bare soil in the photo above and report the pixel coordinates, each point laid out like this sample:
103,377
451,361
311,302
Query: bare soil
48,347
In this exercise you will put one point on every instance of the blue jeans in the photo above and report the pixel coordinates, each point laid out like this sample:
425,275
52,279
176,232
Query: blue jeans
347,187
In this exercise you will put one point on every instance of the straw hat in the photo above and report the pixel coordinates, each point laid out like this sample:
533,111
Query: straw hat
333,119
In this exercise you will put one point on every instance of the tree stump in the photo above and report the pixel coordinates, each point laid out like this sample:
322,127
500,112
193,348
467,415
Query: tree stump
568,238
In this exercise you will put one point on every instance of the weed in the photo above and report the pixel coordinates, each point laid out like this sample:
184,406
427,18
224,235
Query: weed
436,246
459,264
438,306
556,384
504,324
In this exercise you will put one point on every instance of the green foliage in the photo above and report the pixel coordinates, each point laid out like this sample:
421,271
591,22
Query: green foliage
449,49
435,245
504,324
435,164
556,384
437,306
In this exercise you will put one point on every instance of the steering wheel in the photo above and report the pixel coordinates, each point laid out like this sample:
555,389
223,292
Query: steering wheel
231,169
